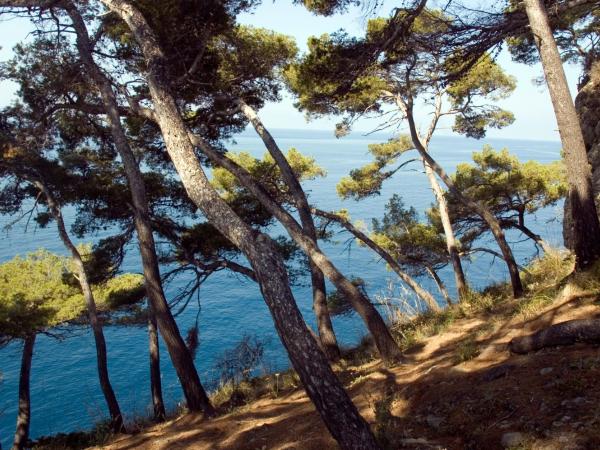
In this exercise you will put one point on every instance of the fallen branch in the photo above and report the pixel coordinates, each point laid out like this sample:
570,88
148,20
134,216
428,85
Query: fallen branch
564,333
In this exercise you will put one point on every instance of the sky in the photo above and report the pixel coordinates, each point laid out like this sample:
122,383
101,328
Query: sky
530,103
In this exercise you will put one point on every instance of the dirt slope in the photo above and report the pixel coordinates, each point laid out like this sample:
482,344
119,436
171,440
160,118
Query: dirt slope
460,389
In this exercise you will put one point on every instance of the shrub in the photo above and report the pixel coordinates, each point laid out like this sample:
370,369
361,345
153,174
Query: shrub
238,363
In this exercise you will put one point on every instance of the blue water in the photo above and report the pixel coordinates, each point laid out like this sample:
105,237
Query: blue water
64,389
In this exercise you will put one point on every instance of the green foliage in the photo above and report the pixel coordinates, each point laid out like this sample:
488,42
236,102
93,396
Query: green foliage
509,188
328,80
249,54
576,32
322,73
327,7
485,79
34,295
474,125
466,350
38,292
414,244
337,302
367,180
120,291
267,172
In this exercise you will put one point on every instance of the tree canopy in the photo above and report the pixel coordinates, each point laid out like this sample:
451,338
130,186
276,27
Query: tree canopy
37,293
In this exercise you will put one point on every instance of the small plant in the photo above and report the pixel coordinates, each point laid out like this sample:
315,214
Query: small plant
466,350
425,325
532,305
237,364
384,419
485,301
549,270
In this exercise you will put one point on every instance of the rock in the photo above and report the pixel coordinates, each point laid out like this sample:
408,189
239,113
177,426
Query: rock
587,104
434,421
546,370
512,439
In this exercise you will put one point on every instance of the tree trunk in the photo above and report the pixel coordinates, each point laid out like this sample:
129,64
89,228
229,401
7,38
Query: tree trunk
586,227
24,414
155,381
116,418
459,275
440,284
389,259
324,389
195,395
564,333
539,241
387,347
481,210
324,325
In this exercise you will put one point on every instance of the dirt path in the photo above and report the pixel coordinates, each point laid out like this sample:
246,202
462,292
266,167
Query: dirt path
460,389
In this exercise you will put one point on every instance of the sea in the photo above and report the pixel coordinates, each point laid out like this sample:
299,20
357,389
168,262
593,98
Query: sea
65,393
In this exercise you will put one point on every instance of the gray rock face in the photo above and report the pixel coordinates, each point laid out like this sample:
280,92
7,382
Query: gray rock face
587,104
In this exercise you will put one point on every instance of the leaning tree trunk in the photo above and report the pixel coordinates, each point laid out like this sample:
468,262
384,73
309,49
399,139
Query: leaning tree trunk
459,274
482,211
324,325
585,223
324,389
195,395
155,382
439,283
387,347
389,259
24,414
116,418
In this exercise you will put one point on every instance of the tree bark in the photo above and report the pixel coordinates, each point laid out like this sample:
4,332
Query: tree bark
389,259
324,325
459,274
324,389
158,404
586,226
24,414
545,246
116,418
387,347
481,210
564,333
194,393
440,284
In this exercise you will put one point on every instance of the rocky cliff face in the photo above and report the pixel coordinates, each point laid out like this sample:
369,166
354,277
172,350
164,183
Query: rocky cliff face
587,103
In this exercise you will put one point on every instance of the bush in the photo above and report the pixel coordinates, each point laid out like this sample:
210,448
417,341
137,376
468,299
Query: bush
237,364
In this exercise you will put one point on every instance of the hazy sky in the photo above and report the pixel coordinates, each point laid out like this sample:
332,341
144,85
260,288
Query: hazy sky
529,103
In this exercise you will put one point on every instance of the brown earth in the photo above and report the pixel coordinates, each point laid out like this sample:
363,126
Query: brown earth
433,400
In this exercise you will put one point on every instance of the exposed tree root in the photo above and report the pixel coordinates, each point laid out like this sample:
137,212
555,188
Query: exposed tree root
564,333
